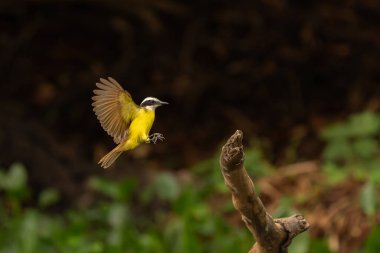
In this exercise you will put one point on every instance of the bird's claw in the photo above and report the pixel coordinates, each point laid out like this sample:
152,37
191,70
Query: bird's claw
155,137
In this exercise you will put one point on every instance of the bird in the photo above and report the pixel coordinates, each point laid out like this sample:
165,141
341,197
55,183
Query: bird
128,123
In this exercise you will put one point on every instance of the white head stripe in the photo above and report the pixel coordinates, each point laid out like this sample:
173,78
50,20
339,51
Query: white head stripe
150,98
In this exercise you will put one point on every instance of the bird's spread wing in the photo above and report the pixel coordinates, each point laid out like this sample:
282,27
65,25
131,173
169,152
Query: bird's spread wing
114,108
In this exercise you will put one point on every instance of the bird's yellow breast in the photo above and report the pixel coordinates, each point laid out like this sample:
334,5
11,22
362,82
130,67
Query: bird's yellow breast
141,125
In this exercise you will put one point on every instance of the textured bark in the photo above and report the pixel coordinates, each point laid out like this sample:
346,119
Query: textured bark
272,235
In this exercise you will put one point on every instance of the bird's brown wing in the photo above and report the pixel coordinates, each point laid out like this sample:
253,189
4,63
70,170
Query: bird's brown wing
114,108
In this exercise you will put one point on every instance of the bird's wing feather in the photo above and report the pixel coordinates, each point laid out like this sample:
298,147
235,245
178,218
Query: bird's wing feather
114,108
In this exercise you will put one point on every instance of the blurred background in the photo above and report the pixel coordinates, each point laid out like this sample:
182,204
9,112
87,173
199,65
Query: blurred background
301,79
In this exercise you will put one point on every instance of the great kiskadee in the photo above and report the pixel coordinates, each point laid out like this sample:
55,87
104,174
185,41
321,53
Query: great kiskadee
128,123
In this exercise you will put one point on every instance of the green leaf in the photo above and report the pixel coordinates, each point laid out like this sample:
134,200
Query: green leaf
337,149
165,186
334,173
175,234
186,200
375,174
372,245
118,215
117,218
368,198
364,124
116,190
207,166
15,179
29,232
255,162
104,186
96,247
48,197
201,211
335,131
285,207
300,243
150,243
365,147
319,246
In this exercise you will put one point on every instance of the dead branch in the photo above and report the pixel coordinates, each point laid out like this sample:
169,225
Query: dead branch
272,235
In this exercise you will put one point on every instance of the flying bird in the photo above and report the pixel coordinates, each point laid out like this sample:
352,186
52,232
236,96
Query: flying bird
128,123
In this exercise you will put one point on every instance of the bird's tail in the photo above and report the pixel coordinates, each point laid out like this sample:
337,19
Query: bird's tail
110,158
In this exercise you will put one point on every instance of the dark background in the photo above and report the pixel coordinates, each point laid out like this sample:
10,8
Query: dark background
279,70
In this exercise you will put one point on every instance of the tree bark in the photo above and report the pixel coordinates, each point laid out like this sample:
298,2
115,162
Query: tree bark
272,235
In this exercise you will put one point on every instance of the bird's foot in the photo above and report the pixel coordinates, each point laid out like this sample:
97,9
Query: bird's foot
155,137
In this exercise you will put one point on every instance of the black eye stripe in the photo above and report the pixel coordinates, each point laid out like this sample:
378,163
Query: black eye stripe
148,102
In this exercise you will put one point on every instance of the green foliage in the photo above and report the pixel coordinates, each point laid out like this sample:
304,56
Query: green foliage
212,180
301,243
255,162
352,147
368,199
14,182
164,186
168,215
48,197
15,179
285,207
372,245
113,224
118,190
319,246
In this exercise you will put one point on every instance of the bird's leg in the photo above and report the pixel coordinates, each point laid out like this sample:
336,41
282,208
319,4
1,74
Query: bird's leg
155,137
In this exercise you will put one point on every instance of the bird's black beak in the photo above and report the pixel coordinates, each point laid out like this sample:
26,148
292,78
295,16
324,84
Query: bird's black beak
163,103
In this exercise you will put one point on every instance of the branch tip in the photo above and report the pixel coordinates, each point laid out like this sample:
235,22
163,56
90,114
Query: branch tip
232,156
236,139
